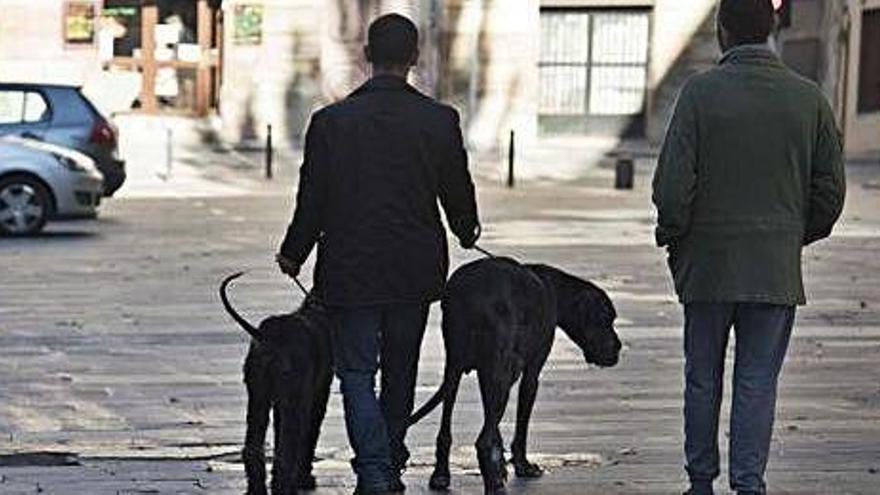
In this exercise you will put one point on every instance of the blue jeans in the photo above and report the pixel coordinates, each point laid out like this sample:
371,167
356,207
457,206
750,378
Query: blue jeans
367,339
762,335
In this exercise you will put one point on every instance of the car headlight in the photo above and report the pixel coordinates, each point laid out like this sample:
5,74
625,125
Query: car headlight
69,163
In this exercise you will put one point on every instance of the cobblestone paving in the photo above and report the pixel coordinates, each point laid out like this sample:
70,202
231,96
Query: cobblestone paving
116,357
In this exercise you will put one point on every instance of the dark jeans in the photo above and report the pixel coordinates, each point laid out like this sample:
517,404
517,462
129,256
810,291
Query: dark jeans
364,340
762,335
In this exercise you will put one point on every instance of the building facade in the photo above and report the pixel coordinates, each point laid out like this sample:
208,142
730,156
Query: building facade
572,79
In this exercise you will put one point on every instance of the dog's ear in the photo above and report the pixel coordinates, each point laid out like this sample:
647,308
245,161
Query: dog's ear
594,308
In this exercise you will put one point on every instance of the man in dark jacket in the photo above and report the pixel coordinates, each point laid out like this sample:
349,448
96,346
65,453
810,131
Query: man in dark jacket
750,172
375,166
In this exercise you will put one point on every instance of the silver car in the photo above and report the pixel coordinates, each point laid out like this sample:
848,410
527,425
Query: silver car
41,181
62,115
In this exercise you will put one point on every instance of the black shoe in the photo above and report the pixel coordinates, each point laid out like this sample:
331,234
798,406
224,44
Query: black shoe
359,490
396,485
307,483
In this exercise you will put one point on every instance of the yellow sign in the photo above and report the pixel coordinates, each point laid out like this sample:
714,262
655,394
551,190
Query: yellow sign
79,23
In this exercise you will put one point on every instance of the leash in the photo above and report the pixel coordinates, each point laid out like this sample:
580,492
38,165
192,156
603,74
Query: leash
306,292
485,252
300,285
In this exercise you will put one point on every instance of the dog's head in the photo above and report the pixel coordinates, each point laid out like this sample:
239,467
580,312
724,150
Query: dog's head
587,316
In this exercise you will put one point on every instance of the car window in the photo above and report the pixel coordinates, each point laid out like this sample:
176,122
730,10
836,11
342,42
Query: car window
35,108
11,106
17,107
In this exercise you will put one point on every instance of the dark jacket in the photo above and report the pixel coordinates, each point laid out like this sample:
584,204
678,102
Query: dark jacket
375,165
750,172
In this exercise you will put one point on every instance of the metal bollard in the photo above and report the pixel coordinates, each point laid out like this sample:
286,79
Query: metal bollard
169,152
269,152
511,150
624,173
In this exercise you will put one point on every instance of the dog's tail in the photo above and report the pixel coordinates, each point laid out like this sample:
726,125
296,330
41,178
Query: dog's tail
438,398
246,325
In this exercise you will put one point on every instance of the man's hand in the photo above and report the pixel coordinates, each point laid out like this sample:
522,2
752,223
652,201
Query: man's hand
287,266
470,240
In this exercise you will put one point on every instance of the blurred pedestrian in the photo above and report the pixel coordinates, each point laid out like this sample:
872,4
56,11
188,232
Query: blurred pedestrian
751,172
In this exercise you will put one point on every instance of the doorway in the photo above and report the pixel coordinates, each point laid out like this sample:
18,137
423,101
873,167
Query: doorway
175,47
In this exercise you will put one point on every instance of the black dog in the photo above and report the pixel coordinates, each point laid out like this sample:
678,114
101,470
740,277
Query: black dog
499,318
288,371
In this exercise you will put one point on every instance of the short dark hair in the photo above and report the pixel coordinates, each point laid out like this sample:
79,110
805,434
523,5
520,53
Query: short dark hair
747,21
392,40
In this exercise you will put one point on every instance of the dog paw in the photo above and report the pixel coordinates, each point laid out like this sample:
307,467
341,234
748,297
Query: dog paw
526,469
495,483
494,486
439,481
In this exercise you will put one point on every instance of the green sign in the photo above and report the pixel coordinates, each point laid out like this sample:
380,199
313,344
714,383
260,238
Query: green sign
248,24
120,11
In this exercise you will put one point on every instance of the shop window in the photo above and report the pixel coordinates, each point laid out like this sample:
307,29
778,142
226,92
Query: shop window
181,70
120,28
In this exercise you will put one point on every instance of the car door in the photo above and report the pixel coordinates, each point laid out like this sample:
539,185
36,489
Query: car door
24,112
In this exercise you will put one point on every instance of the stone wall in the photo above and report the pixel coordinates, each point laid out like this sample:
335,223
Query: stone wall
32,48
274,82
862,130
683,44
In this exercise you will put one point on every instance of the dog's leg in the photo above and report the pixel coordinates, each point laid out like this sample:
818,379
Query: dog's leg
280,445
319,409
490,447
528,389
284,465
441,477
253,455
289,445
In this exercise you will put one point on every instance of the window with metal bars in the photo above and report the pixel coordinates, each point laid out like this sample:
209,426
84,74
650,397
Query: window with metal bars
593,68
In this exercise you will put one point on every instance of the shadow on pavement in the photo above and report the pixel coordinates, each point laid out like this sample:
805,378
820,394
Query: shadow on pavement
58,234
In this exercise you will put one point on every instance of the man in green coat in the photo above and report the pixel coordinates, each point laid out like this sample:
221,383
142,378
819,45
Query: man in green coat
751,172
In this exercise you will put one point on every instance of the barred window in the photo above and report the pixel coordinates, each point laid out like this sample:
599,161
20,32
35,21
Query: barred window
593,62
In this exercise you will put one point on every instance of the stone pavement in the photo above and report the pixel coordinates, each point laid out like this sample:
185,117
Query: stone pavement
177,157
119,366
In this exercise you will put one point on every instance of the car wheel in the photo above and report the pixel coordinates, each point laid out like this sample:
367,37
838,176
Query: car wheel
24,206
